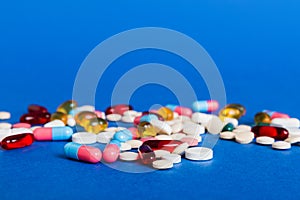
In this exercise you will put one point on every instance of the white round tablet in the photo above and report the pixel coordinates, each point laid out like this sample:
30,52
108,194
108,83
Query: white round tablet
4,125
214,125
244,127
5,115
162,164
199,153
105,137
265,140
125,146
192,128
227,135
135,144
180,149
114,117
129,156
160,153
84,138
293,139
281,145
175,158
244,137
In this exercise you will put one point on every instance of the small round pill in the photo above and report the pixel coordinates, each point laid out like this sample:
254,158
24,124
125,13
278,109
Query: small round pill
243,127
131,113
199,153
129,156
281,145
244,137
84,138
174,158
114,117
162,164
4,125
265,140
135,144
227,135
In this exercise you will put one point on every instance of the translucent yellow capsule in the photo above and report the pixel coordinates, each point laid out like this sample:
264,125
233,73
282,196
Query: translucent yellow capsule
233,111
166,113
83,118
262,117
67,106
145,129
59,115
240,107
96,125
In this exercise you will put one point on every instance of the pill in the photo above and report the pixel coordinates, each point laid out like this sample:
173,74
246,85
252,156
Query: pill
180,149
281,145
166,113
205,106
227,135
35,118
111,153
59,116
199,153
55,133
244,127
177,136
146,154
129,156
21,130
181,110
214,125
114,117
82,152
87,108
16,140
293,132
162,164
148,118
191,128
5,125
233,121
161,126
262,117
135,133
286,122
67,107
244,137
128,119
71,122
174,158
35,127
135,144
123,135
233,111
84,138
168,145
83,118
105,137
293,140
55,123
277,133
4,115
118,109
145,129
21,125
191,141
160,153
177,127
163,137
34,108
274,114
95,125
228,127
132,113
125,146
265,140
201,118
100,114
116,142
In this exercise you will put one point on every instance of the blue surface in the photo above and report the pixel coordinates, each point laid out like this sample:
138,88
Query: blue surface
255,45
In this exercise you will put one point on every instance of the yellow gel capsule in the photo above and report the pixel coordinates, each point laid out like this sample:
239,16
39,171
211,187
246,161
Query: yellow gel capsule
262,117
145,129
230,112
59,115
240,107
96,125
166,113
83,118
67,106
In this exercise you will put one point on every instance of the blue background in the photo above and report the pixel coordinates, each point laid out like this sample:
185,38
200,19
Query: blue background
255,45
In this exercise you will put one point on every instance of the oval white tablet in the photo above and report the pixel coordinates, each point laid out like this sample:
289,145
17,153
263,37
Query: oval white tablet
265,140
84,138
174,158
243,127
293,139
160,153
132,113
162,164
281,145
105,137
214,125
114,117
163,137
5,115
125,146
4,125
135,144
244,137
178,136
128,156
227,135
199,153
286,122
293,132
55,123
21,130
161,127
180,149
128,119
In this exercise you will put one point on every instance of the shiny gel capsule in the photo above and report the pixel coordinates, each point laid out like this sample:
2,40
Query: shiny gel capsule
60,116
35,118
111,153
67,107
54,133
17,141
146,154
277,133
118,109
36,109
82,152
205,106
123,135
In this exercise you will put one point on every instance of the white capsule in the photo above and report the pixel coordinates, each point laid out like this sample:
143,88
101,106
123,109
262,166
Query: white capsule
135,144
201,118
105,137
128,156
244,137
160,153
233,121
55,123
84,138
161,127
125,146
174,158
162,164
286,122
114,117
281,145
199,153
4,115
227,135
214,125
265,140
4,125
191,128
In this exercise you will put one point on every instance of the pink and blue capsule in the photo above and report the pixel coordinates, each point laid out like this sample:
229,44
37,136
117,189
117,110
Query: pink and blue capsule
53,133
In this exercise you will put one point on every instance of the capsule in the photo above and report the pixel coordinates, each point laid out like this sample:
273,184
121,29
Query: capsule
36,109
228,127
205,106
145,129
118,109
35,118
17,141
166,113
262,118
96,125
240,107
83,118
67,107
168,145
61,116
181,110
278,133
232,111
123,135
53,133
274,114
141,118
111,153
82,152
146,154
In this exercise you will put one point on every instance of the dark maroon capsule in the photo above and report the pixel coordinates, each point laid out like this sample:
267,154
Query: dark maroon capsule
277,133
37,109
146,154
168,145
33,118
118,109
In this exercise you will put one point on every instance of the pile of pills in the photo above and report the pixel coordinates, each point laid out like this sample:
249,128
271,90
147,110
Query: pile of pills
158,138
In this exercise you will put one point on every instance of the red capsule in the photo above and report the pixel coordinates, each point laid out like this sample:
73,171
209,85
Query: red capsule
36,109
118,109
33,118
168,145
277,133
17,141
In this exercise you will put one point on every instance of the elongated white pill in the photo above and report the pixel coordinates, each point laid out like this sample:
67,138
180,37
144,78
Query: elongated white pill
4,115
84,138
265,140
281,145
286,122
129,156
214,125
